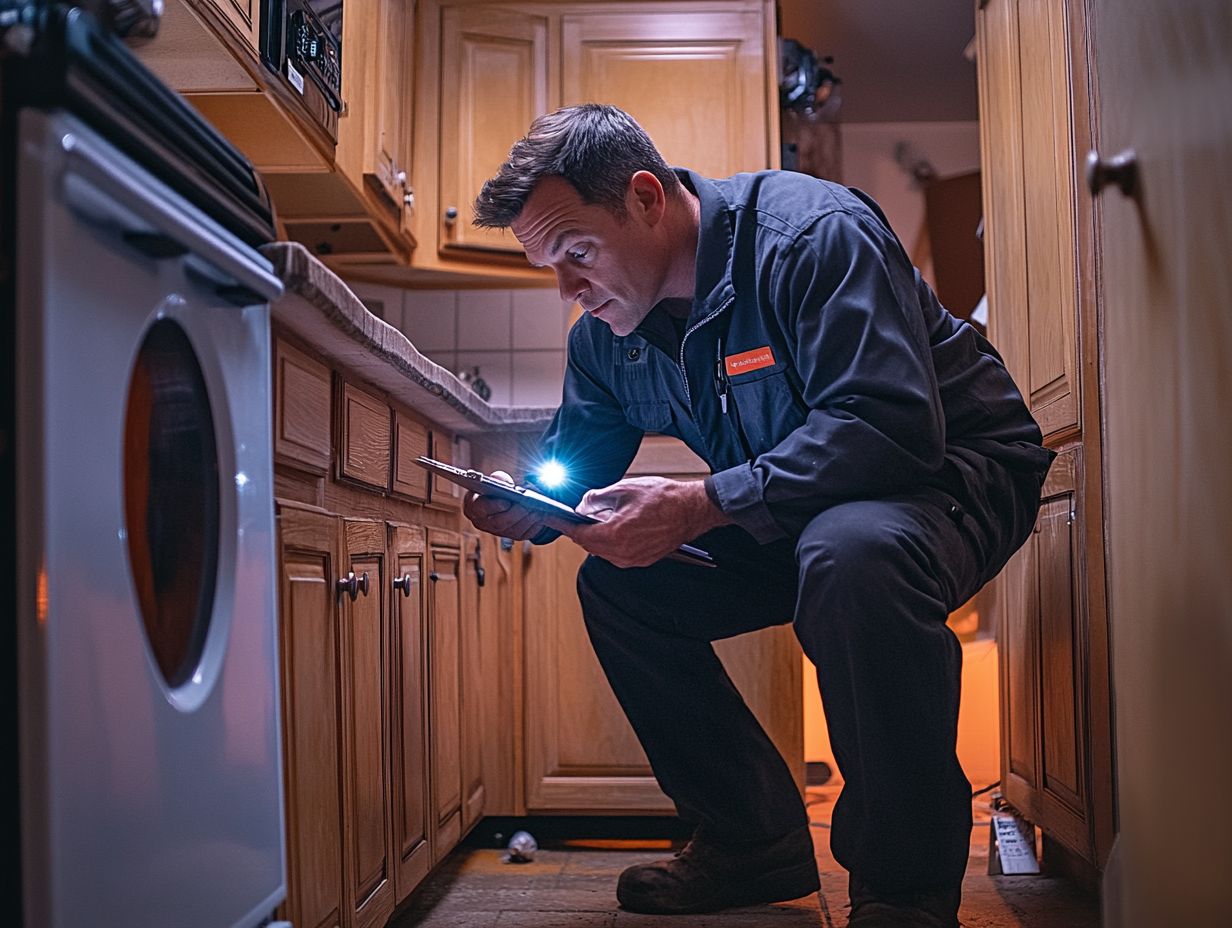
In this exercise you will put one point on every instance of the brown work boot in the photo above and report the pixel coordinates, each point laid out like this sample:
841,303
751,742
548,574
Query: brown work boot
929,909
706,876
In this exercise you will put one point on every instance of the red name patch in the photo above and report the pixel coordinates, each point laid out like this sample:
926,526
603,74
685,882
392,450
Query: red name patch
747,361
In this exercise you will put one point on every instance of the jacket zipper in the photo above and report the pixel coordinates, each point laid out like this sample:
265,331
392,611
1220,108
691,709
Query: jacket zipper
722,384
688,394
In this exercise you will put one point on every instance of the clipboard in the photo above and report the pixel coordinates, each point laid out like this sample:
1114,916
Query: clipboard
481,483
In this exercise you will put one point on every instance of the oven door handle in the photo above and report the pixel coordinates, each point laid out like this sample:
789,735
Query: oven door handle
150,212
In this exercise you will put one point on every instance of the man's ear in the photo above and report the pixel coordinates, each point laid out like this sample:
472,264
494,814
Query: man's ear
646,198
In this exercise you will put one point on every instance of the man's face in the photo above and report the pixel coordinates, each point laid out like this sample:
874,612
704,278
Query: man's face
614,268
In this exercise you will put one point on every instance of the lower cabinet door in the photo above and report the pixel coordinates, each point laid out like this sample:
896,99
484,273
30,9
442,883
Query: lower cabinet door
365,674
409,776
444,702
308,559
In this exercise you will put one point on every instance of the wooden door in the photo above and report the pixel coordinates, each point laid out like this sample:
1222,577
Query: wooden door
308,560
444,703
365,696
500,662
475,688
1164,80
493,82
1029,191
581,754
696,82
408,715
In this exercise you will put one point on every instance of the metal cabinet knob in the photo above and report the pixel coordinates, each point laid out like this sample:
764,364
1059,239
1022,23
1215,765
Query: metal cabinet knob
403,584
353,585
451,215
1121,170
408,199
400,178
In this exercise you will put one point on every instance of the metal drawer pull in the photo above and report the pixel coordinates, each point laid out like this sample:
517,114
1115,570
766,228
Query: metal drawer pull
353,585
403,584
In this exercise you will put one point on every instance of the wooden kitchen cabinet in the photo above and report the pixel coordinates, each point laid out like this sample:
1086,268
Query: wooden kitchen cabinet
696,83
308,560
409,730
1030,229
1056,752
699,75
476,707
445,688
366,695
493,82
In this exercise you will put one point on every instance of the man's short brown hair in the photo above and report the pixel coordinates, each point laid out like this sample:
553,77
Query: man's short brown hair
595,147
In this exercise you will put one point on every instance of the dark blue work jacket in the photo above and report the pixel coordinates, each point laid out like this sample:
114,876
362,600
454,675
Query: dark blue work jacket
815,367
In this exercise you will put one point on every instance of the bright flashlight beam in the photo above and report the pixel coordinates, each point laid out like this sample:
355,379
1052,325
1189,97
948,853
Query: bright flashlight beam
551,474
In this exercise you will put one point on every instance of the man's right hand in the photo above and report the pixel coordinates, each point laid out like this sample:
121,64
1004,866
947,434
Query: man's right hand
503,517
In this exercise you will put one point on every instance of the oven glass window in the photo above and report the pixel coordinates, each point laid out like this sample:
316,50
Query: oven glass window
171,498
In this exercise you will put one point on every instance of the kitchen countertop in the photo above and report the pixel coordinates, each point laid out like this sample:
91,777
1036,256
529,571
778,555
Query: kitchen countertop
323,311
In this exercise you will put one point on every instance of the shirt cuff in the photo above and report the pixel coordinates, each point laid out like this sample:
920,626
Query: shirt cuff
737,491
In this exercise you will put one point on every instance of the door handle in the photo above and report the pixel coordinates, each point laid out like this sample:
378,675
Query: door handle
1121,169
403,584
353,585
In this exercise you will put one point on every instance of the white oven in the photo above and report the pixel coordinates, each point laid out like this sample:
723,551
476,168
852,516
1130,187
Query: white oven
151,782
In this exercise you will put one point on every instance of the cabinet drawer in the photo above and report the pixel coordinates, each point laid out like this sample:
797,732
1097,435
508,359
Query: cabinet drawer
444,493
410,441
364,437
301,410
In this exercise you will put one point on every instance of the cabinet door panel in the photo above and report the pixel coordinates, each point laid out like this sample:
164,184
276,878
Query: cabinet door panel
445,710
1051,267
715,118
366,679
581,752
493,83
473,689
410,767
308,629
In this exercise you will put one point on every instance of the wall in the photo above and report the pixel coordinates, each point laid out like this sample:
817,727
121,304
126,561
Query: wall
869,163
516,338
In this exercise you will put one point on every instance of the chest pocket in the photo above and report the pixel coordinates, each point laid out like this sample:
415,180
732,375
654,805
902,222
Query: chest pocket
768,405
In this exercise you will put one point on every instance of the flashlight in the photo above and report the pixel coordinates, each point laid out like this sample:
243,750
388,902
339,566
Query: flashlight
551,474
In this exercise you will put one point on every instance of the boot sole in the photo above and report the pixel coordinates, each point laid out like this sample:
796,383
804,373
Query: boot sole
776,886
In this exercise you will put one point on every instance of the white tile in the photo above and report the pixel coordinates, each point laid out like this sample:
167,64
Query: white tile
493,368
430,319
483,319
538,319
446,359
382,301
537,377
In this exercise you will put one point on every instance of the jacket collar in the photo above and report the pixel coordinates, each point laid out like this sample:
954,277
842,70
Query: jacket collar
714,246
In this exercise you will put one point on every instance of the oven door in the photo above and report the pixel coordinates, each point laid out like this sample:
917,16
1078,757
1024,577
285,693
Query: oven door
148,669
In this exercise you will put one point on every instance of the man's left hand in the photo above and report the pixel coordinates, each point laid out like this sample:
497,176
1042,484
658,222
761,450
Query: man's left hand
644,519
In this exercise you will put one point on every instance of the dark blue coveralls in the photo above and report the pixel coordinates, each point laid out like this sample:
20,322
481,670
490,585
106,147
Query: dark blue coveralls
879,465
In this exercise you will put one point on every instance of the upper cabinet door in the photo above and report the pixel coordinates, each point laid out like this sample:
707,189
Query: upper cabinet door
695,82
1028,127
494,81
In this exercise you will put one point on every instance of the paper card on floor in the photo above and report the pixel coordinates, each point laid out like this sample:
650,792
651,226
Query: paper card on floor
1011,845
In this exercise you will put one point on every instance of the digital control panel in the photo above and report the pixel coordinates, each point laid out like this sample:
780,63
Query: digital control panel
311,47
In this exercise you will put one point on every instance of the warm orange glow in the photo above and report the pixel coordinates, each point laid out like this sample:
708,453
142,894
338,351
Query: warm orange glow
620,844
40,593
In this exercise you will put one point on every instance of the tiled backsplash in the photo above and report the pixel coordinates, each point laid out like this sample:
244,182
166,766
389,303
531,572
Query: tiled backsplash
514,338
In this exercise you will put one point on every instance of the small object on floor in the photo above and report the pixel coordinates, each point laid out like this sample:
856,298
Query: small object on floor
1011,845
522,847
706,876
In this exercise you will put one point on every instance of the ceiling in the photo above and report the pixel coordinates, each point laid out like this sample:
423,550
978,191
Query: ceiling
899,60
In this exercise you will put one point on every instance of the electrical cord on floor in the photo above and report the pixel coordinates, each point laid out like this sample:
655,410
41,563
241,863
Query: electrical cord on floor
987,789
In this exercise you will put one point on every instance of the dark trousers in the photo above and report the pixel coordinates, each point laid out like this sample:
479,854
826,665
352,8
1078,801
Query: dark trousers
868,585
